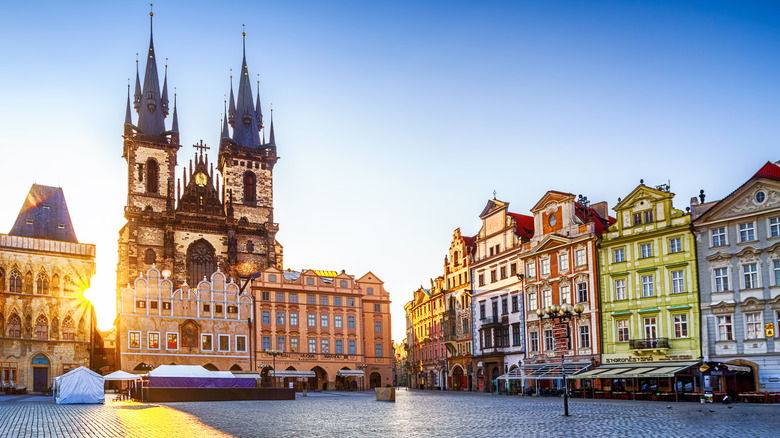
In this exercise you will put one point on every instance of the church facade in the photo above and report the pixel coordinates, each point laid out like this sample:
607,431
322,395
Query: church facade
209,219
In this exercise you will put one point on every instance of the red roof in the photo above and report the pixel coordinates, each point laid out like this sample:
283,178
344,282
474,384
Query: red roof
524,225
769,170
588,214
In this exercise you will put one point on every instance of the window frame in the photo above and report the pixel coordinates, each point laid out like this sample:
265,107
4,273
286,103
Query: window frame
678,284
167,342
149,340
749,232
244,337
621,252
619,288
130,334
675,245
721,235
210,336
622,330
648,287
220,337
680,325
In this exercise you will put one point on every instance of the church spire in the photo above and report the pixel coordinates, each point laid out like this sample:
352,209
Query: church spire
271,139
151,112
175,124
225,132
257,107
165,90
137,96
128,112
245,128
231,115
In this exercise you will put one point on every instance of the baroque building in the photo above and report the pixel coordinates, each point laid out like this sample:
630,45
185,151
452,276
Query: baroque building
457,317
206,221
46,324
738,247
427,357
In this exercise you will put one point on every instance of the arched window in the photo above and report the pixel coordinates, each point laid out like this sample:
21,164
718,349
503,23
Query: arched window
28,283
250,187
14,326
68,286
15,282
41,328
455,259
200,262
54,285
151,257
152,175
42,284
68,330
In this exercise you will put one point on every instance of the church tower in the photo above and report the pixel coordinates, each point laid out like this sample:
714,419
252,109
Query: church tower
190,227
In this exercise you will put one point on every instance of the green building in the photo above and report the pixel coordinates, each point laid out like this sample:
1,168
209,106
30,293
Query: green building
649,291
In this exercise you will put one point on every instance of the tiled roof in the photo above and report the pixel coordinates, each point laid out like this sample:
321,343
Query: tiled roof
524,225
44,215
769,170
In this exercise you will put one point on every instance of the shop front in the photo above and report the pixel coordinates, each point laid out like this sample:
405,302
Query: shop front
670,381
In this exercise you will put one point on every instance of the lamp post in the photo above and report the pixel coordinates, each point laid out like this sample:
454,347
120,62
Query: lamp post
362,367
562,314
274,353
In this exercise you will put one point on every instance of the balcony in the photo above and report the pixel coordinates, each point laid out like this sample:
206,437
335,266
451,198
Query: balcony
641,346
490,320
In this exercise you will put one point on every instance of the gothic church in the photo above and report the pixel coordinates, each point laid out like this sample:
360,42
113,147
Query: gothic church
189,227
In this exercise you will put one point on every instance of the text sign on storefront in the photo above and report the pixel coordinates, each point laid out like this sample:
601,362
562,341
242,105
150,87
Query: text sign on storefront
561,334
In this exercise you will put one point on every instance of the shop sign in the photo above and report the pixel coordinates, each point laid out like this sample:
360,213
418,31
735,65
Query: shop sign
646,359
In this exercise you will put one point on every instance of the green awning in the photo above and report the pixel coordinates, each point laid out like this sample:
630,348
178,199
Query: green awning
621,312
679,307
650,309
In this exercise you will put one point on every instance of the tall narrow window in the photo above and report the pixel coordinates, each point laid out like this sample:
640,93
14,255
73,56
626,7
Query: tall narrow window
721,279
250,186
68,329
41,328
14,326
15,282
42,284
152,176
725,328
200,262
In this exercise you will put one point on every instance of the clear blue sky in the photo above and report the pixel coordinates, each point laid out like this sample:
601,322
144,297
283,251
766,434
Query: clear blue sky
396,120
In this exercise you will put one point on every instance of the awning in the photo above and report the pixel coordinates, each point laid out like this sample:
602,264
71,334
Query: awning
542,371
657,370
246,375
742,368
284,374
350,373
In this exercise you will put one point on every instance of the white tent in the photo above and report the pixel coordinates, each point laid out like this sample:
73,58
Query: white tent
81,385
189,371
121,375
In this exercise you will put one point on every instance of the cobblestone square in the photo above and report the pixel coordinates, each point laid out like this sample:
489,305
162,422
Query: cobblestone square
415,414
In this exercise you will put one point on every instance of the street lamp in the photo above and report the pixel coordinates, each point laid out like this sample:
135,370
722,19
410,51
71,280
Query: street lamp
362,367
274,353
563,314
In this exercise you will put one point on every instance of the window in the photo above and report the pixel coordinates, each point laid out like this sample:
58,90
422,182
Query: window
350,302
545,266
312,345
563,261
325,346
339,346
516,335
217,307
753,325
42,284
272,278
774,227
294,318
207,308
343,283
140,304
721,279
619,255
512,269
350,321
680,325
747,232
651,328
515,305
172,341
530,269
546,298
531,303
323,300
378,350
533,341
718,236
312,320
265,296
579,257
241,343
294,345
310,281
647,286
68,330
620,289
377,326
504,306
250,187
549,340
352,346
776,270
153,340
337,301
675,245
205,342
150,256
481,279
502,271
648,216
678,282
280,297
281,343
311,299
266,317
622,330
378,308
584,336
266,343
636,219
324,320
200,261
493,276
750,273
337,321
293,297
15,282
133,338
152,172
646,250
224,342
280,319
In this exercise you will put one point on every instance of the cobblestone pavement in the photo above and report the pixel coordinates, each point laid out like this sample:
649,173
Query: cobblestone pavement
415,414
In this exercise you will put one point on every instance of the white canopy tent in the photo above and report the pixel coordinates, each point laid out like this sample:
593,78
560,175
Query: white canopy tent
189,371
121,375
81,385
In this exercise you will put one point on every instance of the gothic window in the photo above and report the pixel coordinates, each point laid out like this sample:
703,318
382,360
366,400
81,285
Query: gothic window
15,282
151,257
152,174
41,328
54,285
14,326
28,282
69,286
200,262
42,284
68,332
250,247
55,328
250,187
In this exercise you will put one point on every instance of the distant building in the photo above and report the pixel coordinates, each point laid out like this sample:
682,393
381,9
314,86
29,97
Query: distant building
46,324
428,360
400,363
457,317
738,247
325,323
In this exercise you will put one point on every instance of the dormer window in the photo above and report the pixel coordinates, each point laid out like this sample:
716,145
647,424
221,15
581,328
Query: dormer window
46,206
29,221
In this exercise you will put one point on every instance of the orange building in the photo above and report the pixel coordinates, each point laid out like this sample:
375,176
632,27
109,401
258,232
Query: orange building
428,358
457,317
333,331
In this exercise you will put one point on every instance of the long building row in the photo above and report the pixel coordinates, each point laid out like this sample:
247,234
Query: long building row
654,299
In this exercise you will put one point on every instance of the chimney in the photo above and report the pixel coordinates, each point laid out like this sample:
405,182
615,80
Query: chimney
601,208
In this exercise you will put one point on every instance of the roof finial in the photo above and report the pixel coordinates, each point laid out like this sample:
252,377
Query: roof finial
151,17
175,124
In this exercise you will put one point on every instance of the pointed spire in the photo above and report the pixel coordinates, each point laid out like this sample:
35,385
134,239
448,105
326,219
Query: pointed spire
225,132
271,139
175,125
128,112
137,97
165,90
257,107
232,113
245,132
151,113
